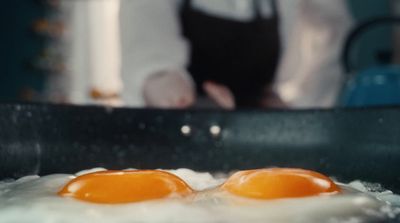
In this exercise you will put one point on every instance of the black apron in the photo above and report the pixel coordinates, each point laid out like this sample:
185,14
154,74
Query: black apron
240,55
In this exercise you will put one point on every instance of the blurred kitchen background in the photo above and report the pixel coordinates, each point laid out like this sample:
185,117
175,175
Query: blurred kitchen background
37,49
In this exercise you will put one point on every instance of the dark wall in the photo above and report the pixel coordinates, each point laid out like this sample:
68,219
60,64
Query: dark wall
19,46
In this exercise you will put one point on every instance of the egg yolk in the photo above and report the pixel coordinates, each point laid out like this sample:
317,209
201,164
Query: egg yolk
113,187
277,183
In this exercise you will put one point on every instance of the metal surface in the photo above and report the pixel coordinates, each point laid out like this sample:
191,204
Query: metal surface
348,144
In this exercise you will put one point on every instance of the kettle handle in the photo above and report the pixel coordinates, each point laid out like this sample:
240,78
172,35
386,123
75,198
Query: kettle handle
359,31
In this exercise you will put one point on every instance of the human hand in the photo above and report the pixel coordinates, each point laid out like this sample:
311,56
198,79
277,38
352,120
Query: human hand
272,100
221,94
169,90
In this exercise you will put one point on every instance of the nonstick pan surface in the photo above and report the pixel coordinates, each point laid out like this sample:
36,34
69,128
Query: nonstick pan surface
347,144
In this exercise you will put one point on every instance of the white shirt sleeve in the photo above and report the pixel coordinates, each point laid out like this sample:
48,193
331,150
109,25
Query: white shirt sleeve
151,42
72,85
310,73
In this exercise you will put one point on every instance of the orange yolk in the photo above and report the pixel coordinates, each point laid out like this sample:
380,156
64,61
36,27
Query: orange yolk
279,183
113,187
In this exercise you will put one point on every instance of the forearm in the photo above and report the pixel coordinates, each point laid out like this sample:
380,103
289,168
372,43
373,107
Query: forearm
310,74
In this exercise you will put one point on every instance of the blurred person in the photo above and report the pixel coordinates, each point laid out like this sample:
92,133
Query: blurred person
240,53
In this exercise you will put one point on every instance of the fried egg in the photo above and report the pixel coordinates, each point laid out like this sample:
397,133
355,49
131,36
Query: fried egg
116,187
267,195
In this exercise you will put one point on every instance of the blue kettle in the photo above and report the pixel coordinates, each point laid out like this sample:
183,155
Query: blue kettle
378,85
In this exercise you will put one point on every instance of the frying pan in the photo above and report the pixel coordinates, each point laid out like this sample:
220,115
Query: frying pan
348,144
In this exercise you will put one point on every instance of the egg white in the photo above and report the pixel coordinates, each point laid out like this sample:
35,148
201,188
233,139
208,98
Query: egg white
33,199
